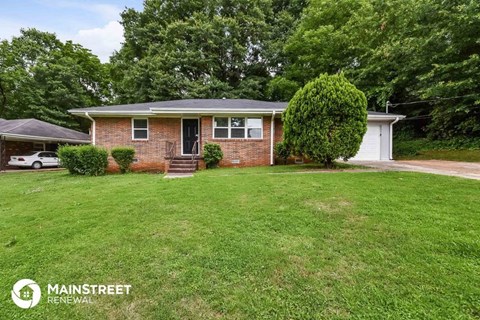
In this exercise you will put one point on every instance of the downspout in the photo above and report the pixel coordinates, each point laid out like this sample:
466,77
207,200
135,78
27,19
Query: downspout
391,136
93,127
272,136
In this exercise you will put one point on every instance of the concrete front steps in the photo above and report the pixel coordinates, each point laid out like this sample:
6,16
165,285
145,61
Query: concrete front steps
182,166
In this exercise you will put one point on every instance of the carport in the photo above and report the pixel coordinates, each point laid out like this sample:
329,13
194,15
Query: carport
23,135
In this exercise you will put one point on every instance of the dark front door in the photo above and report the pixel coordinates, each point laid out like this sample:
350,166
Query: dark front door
190,135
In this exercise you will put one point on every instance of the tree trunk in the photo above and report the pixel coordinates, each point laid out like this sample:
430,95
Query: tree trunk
328,163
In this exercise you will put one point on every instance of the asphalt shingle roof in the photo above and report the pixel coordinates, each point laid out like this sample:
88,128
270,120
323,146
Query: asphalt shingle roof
207,104
37,128
202,104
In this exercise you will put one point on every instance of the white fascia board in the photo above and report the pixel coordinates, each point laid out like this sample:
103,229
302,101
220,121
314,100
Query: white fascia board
179,112
111,113
215,111
202,111
43,139
384,117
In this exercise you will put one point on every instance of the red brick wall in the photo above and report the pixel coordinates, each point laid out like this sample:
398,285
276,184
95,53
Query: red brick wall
278,135
250,152
113,132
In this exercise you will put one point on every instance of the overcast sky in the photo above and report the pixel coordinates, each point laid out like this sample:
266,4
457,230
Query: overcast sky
93,24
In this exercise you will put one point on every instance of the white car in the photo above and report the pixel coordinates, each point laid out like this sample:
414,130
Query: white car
35,160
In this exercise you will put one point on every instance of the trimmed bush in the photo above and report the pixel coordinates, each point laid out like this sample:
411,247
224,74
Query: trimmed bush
69,159
84,160
212,154
123,156
282,150
326,120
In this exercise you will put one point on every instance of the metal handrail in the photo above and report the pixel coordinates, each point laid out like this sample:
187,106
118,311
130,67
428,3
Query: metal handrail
170,148
194,149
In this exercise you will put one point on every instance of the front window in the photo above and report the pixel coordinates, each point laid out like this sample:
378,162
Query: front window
237,128
140,129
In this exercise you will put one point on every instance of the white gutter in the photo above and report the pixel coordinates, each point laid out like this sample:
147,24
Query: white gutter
213,110
391,136
112,113
93,127
383,117
200,111
272,137
153,112
38,138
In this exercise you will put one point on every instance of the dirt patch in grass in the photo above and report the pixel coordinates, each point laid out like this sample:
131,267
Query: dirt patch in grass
331,205
197,308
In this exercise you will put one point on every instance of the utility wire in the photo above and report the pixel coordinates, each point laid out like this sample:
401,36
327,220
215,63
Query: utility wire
393,105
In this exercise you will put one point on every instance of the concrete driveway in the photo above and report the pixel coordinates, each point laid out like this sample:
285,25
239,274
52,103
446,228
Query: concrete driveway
469,170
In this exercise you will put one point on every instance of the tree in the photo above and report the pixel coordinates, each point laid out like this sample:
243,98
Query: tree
398,51
326,119
281,89
41,77
202,49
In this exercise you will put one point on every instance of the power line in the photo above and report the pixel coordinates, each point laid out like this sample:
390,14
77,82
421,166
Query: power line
393,105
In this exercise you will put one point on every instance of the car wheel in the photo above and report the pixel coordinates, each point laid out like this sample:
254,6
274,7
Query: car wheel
37,165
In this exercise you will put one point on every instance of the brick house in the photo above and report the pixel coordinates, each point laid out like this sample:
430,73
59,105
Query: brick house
20,136
246,130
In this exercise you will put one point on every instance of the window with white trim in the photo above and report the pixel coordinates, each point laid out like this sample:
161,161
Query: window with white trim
140,129
237,127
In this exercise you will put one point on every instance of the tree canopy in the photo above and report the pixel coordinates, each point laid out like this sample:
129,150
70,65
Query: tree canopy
402,51
202,49
399,51
41,77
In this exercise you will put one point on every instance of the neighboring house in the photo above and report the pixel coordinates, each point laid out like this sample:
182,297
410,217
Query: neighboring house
24,135
246,130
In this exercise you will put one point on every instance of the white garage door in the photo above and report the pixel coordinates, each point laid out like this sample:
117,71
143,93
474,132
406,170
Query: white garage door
370,147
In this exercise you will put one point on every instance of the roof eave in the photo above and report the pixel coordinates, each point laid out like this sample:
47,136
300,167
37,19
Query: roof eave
42,138
203,111
154,111
384,117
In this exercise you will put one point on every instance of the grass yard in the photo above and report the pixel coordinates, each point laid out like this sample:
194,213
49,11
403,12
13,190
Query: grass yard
232,244
467,149
451,155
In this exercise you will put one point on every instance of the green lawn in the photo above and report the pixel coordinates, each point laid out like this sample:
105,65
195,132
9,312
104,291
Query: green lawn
238,244
467,149
451,155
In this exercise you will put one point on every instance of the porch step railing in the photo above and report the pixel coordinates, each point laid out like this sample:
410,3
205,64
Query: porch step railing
194,151
170,148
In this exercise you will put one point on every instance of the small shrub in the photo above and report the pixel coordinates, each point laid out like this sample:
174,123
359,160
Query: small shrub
69,159
282,150
93,160
123,156
212,154
84,160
